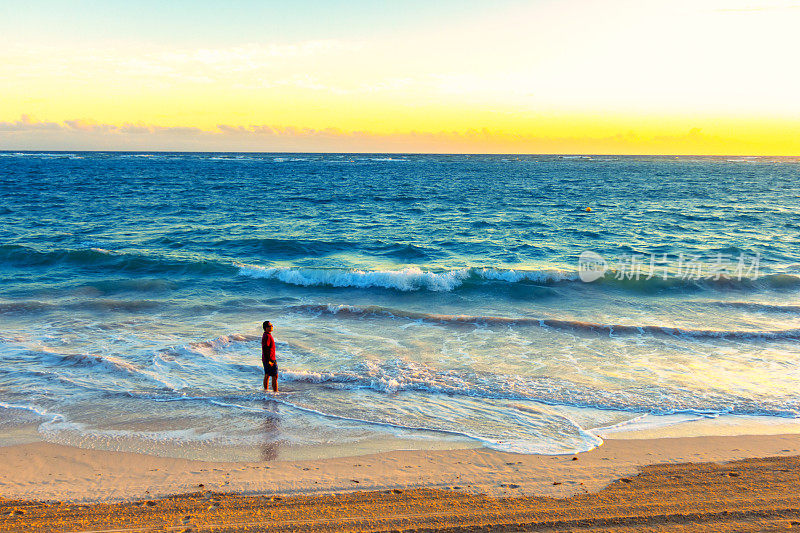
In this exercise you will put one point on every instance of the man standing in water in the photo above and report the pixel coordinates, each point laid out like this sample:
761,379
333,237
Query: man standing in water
268,357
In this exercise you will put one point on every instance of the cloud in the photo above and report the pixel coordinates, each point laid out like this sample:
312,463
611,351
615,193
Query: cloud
135,128
233,130
89,126
83,134
253,56
247,66
27,123
177,130
279,131
773,7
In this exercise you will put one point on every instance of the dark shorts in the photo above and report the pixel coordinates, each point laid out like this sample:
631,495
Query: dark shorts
271,370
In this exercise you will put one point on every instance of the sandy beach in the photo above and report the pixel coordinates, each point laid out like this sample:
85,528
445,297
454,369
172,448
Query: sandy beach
714,482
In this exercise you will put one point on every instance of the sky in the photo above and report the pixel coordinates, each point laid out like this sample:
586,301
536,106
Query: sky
506,76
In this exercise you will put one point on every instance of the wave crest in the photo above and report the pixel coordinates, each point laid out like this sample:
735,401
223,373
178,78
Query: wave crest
405,279
416,279
349,311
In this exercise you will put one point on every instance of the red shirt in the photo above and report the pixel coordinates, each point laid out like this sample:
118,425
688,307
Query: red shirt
267,347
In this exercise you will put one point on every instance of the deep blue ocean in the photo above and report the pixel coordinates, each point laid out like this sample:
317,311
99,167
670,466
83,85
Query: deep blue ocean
416,299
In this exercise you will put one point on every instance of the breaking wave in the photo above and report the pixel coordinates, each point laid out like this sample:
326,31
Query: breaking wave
416,279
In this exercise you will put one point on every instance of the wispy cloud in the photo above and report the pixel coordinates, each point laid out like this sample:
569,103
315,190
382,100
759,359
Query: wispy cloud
152,65
770,7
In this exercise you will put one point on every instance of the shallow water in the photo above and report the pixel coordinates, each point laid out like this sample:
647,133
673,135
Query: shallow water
416,299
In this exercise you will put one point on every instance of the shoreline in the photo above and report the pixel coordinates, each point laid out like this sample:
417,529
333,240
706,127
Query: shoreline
741,483
43,471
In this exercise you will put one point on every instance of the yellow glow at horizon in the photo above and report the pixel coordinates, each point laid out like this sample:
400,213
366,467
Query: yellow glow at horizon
635,71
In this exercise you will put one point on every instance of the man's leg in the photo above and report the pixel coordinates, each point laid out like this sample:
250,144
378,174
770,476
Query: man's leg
275,383
266,381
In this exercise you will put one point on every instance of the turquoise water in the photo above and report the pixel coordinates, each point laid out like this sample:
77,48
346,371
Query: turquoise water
413,296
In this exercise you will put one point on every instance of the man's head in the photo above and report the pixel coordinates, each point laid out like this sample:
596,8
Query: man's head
267,326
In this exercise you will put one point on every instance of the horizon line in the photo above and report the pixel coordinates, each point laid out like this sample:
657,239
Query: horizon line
579,154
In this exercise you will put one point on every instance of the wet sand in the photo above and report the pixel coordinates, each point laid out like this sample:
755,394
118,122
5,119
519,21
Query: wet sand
744,483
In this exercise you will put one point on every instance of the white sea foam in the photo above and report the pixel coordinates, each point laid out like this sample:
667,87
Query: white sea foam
407,279
530,445
514,276
58,155
62,430
108,362
35,409
163,372
221,341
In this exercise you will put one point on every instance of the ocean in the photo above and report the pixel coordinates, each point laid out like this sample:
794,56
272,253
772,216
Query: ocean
517,302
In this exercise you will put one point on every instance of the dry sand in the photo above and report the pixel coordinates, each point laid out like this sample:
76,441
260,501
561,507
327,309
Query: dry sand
692,483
